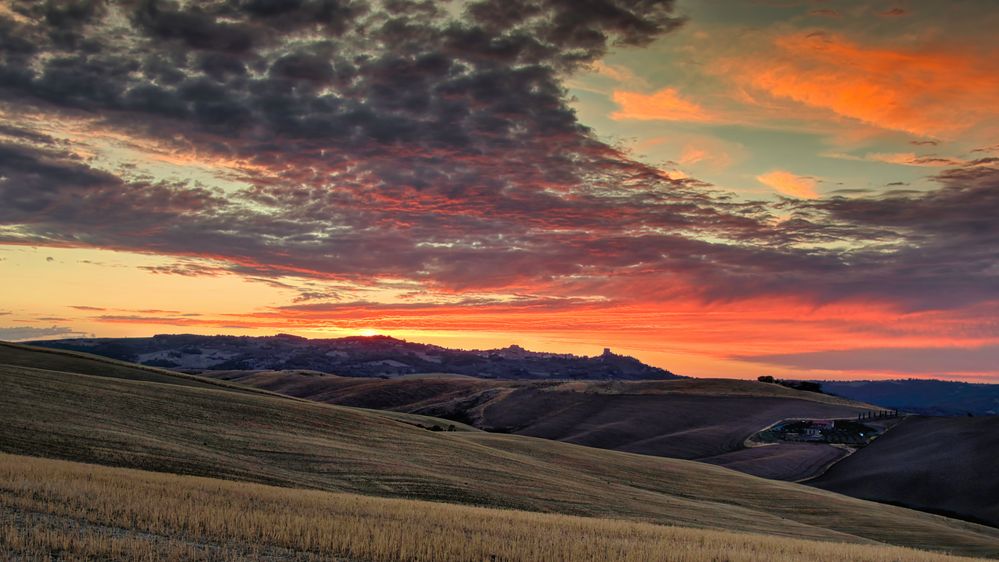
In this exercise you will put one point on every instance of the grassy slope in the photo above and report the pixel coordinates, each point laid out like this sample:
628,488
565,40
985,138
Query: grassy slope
92,512
678,425
698,419
943,464
411,390
13,354
260,438
84,363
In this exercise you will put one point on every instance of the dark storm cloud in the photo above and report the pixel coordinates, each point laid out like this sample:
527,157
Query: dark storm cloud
18,134
395,139
405,72
43,189
937,247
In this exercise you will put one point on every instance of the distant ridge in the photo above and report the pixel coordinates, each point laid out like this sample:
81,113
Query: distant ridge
357,356
922,396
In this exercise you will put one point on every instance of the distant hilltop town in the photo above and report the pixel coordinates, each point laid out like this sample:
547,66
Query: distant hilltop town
372,356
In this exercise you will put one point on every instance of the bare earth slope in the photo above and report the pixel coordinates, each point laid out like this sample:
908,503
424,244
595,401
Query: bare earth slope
697,419
788,461
221,433
946,465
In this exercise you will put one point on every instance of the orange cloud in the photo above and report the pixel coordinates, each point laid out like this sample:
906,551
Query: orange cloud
664,105
922,92
784,182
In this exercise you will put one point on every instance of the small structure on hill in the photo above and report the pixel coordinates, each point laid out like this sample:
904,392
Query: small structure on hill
846,432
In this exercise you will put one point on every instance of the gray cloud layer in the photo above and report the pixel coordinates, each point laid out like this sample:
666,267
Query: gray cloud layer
25,333
399,140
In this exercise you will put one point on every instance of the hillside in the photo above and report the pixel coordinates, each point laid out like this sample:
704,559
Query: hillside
697,419
266,439
21,355
943,465
87,511
83,363
927,397
356,356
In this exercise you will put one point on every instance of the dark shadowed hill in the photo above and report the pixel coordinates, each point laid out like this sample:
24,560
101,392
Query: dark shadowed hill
944,465
929,397
263,438
703,419
357,357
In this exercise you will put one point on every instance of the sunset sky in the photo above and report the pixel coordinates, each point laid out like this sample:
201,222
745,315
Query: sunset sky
717,187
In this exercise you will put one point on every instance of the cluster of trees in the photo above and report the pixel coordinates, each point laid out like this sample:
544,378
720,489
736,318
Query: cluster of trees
807,386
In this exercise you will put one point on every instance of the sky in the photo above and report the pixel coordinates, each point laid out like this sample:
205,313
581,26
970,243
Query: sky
799,188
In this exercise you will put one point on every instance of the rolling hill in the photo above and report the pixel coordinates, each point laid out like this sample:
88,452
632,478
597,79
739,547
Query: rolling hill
14,354
937,464
696,419
256,437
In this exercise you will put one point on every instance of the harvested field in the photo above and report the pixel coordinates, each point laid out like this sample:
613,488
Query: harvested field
86,512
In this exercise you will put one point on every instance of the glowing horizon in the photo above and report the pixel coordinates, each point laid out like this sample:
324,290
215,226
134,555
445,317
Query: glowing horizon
718,189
